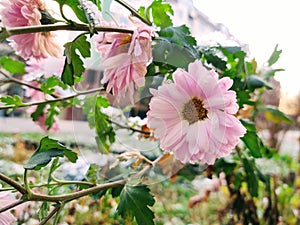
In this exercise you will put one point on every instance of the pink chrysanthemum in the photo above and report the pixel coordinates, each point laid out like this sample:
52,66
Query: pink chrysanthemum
19,13
125,58
193,117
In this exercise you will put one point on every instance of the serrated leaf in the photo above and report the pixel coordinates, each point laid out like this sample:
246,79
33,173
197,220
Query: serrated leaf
276,116
75,6
49,85
275,56
12,66
38,112
104,130
160,12
48,149
74,64
14,101
135,202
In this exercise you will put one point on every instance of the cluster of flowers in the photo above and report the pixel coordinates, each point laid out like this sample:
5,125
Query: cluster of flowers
193,117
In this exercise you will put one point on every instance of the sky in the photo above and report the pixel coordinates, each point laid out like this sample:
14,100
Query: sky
262,24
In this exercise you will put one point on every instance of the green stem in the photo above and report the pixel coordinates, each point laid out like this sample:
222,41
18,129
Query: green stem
13,183
54,27
50,215
26,184
56,219
72,196
134,12
129,128
53,100
65,182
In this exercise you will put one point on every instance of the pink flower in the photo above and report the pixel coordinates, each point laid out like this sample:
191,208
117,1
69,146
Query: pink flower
6,218
19,13
125,58
193,117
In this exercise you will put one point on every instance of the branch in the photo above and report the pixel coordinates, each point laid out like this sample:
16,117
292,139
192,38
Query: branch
129,128
52,213
54,27
13,183
17,81
79,194
134,12
14,204
52,100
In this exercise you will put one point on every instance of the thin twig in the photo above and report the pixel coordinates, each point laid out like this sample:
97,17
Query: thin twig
129,128
49,216
65,182
53,100
75,195
13,183
17,81
134,12
14,204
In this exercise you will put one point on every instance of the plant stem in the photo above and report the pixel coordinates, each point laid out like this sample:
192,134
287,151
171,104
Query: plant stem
52,213
53,100
16,203
129,128
13,183
64,182
17,81
75,195
54,27
134,12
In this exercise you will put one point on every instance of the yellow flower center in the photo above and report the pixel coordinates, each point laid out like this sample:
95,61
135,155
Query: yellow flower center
194,111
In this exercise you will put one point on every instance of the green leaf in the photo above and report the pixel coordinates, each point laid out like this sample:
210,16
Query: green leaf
12,66
74,64
255,81
213,56
14,101
251,139
160,13
274,115
97,119
251,176
172,54
134,202
104,130
38,112
48,149
179,36
51,113
49,85
253,143
275,56
75,6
